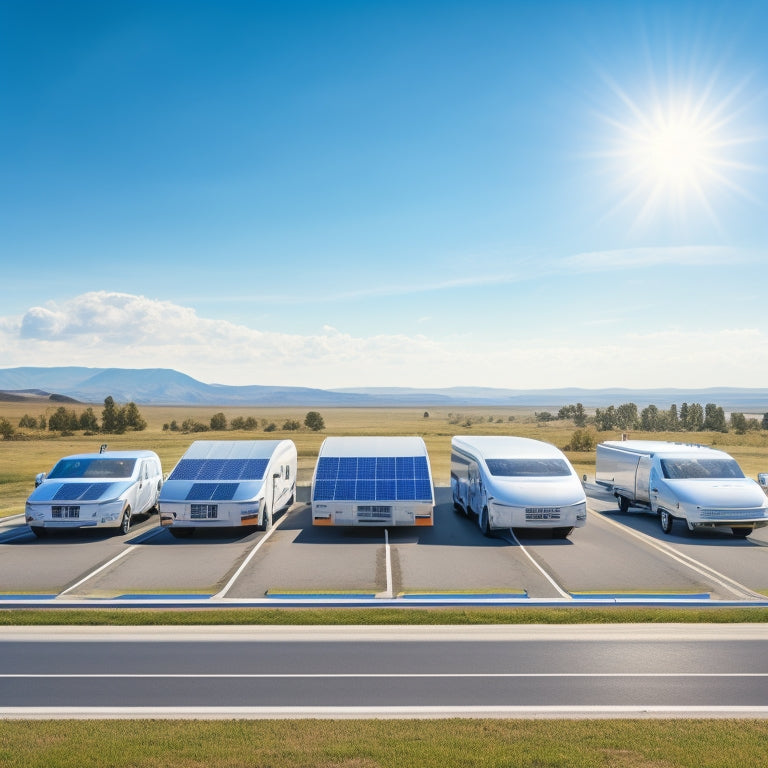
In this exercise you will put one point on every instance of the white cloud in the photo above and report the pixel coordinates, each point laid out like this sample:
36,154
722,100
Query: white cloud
104,329
639,258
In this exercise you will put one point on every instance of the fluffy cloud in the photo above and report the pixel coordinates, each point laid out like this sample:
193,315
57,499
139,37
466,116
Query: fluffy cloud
103,329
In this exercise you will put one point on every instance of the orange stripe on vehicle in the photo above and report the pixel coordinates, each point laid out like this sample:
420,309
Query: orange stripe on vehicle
322,521
423,521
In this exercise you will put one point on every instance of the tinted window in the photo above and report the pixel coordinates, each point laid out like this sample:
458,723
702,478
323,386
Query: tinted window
112,468
528,467
712,469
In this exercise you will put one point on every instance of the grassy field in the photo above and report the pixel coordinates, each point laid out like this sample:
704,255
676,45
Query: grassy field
384,743
21,460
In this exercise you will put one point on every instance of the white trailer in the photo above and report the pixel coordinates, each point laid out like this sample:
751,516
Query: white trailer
228,483
95,490
372,481
700,485
515,482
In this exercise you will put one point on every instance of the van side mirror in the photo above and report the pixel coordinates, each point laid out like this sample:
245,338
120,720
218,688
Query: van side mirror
39,478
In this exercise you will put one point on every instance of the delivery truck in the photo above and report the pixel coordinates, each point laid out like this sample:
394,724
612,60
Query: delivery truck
701,486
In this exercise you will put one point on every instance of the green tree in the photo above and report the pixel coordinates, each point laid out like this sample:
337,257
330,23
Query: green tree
695,418
27,422
673,420
63,420
739,423
579,415
581,440
110,416
88,420
650,419
6,429
291,425
626,416
314,421
218,422
271,427
132,418
714,418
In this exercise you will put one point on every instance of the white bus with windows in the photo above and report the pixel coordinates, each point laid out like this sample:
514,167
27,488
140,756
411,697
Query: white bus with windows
516,482
229,483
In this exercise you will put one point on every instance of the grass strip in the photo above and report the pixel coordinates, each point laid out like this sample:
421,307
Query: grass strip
383,743
377,616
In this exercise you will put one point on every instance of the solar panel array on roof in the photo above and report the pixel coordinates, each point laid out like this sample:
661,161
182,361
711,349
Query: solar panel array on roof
380,478
219,469
80,491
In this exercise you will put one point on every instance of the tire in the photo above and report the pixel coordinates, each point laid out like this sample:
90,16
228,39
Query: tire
485,523
39,531
741,533
182,533
125,523
623,504
561,533
666,520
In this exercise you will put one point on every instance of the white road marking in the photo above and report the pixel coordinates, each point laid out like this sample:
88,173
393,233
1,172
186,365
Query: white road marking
275,525
358,675
397,712
389,592
727,583
99,570
558,588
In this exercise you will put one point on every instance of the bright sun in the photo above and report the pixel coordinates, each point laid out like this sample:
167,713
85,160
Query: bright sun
675,155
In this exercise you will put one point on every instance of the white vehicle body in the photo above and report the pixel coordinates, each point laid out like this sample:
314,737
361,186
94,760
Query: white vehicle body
95,490
373,481
702,486
516,482
228,483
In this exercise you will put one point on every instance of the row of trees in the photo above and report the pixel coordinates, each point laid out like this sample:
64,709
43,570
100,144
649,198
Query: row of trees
115,420
691,417
218,423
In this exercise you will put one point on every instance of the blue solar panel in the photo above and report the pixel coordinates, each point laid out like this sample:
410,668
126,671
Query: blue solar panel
385,468
364,478
212,492
219,469
71,491
94,492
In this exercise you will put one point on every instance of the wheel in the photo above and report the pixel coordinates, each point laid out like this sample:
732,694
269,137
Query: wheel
39,531
623,504
485,523
741,533
666,520
561,533
125,523
182,533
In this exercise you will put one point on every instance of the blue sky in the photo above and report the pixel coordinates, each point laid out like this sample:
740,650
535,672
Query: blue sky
512,194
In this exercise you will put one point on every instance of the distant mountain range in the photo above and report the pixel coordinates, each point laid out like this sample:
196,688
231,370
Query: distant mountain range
163,386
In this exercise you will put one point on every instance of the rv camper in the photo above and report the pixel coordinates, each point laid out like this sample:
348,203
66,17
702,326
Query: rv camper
228,483
515,482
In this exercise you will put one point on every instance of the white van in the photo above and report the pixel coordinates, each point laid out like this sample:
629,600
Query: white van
227,483
516,482
95,490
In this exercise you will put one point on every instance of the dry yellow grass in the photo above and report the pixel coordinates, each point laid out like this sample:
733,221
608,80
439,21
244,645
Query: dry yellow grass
20,460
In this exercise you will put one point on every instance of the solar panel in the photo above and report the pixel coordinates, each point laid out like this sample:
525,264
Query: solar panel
219,469
368,478
212,492
80,491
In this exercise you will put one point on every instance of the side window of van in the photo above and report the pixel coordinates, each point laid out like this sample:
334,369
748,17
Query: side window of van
287,471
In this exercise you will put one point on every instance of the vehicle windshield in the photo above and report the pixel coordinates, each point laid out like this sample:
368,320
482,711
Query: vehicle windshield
692,468
95,468
528,467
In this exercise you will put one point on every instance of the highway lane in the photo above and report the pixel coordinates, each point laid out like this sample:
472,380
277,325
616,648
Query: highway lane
316,671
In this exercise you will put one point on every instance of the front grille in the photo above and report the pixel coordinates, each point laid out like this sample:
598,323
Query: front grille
204,511
63,512
374,512
731,514
542,513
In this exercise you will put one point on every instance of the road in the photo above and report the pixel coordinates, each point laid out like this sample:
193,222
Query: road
643,671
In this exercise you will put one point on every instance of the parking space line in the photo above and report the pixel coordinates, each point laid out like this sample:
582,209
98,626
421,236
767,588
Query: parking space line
106,565
731,585
275,525
556,586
